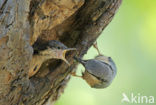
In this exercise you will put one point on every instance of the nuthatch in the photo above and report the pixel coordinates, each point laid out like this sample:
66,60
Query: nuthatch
52,50
99,72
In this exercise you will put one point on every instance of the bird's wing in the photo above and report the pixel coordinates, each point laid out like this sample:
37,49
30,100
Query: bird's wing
98,69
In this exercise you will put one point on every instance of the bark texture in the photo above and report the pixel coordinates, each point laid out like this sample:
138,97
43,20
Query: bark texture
76,23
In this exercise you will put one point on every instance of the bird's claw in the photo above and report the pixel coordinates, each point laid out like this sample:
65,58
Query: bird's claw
96,47
75,75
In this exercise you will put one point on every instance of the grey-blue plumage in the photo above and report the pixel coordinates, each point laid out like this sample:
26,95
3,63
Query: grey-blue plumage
99,69
99,72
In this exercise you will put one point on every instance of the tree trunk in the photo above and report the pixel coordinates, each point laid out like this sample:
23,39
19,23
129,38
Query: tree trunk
76,23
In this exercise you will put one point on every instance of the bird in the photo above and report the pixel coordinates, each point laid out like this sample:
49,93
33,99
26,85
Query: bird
99,72
43,52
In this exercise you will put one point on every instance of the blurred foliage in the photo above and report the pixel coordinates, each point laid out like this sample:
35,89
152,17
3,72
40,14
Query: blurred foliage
130,39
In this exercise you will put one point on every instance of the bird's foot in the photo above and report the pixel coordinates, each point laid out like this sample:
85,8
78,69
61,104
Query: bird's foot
75,75
96,47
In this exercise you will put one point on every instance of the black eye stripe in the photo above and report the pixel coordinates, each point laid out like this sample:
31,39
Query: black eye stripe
35,68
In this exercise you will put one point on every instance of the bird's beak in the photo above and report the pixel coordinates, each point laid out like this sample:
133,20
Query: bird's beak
63,55
57,53
80,60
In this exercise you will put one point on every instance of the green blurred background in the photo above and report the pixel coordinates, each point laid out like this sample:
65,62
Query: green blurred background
130,39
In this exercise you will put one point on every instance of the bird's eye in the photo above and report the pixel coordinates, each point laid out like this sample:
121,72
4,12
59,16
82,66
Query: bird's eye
58,47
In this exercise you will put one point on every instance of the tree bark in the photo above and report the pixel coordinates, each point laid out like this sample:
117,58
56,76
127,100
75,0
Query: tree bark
76,23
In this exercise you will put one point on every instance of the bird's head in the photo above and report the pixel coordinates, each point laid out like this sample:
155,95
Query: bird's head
57,50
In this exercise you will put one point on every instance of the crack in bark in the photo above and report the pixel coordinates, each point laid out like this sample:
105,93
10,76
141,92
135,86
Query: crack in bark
3,5
80,30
